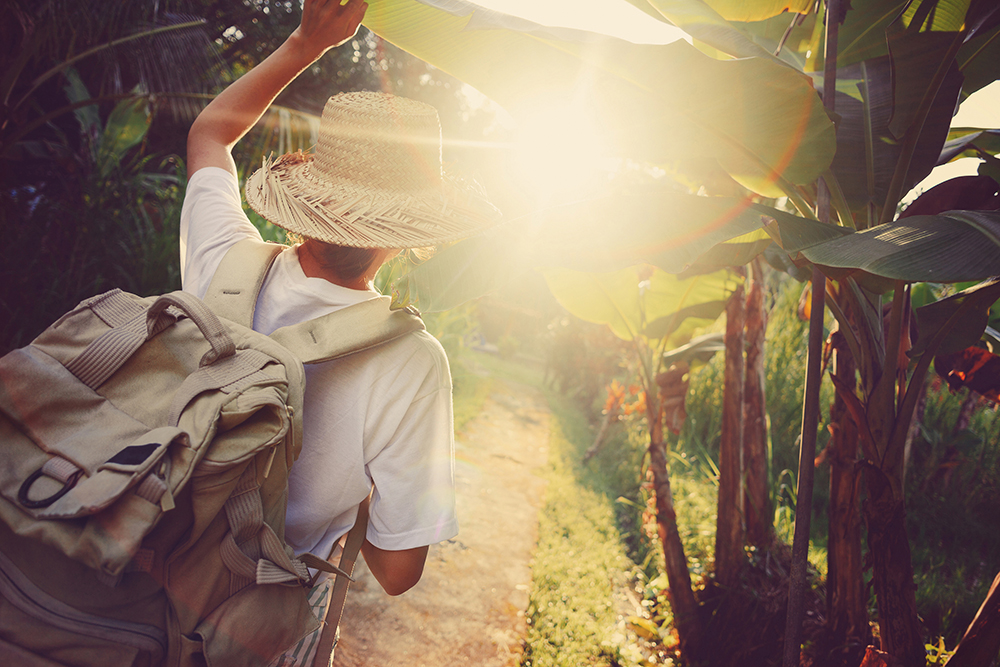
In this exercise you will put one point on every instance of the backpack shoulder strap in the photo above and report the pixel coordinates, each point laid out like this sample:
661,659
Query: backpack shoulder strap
348,330
236,285
233,292
338,594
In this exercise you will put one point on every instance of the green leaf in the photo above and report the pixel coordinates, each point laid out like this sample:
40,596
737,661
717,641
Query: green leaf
862,36
664,327
968,142
800,38
952,247
979,60
780,260
700,349
703,22
972,307
627,301
669,230
938,15
915,59
738,252
867,150
989,168
126,127
664,228
794,234
760,119
758,10
88,116
464,271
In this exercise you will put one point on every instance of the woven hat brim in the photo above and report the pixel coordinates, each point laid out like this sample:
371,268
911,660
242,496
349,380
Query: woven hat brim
286,192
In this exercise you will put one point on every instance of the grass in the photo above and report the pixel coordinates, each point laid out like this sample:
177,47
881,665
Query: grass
597,537
580,568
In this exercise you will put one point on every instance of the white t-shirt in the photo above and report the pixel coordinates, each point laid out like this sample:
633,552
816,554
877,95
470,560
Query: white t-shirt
379,417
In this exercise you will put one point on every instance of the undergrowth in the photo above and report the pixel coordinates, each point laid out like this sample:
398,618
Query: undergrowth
580,568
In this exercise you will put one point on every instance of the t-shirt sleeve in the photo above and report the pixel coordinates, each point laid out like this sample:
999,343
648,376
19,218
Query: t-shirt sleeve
413,503
212,220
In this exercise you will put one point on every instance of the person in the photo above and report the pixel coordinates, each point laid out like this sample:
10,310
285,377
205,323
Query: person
378,421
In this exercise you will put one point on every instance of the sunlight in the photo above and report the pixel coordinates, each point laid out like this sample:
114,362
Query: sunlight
559,154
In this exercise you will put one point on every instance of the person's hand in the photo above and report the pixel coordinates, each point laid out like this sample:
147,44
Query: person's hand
328,23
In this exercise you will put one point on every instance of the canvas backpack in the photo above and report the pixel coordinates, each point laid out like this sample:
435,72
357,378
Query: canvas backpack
146,444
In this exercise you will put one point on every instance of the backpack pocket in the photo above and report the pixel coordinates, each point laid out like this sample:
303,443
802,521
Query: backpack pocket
41,630
256,625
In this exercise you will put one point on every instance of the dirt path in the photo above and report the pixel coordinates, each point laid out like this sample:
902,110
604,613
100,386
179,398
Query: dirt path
469,607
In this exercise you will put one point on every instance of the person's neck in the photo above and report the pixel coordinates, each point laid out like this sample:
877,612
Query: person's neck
313,268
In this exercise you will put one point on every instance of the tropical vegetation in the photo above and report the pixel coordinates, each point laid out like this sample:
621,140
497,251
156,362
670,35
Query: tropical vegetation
819,176
787,133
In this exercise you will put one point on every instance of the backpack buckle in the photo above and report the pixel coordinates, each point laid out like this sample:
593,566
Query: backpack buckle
69,481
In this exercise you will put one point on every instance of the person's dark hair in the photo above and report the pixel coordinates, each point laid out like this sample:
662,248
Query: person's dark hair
345,262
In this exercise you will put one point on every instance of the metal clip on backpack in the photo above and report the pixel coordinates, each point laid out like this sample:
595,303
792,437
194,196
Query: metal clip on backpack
146,446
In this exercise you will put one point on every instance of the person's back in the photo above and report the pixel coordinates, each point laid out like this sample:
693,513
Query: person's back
379,420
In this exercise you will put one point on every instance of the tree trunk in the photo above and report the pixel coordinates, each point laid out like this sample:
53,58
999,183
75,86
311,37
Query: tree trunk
729,556
892,572
682,600
846,602
757,503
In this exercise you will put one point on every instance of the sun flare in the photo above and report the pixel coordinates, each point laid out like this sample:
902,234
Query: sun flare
559,154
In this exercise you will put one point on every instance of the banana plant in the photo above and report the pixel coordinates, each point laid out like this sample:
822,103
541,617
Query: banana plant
899,69
653,311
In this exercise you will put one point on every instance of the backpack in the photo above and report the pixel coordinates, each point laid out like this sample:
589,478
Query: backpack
146,444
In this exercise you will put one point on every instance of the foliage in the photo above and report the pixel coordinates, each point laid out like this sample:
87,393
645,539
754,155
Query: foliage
93,224
113,224
581,358
470,388
952,491
580,569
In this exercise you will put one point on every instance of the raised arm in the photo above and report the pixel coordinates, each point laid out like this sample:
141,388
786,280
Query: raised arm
325,24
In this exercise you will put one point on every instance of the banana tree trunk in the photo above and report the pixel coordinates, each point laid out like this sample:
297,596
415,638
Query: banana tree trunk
682,599
729,556
892,571
885,419
847,604
757,503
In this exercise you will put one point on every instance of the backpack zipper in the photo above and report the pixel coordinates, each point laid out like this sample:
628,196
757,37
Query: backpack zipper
33,601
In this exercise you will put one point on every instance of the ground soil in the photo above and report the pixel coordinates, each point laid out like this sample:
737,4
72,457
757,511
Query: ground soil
469,607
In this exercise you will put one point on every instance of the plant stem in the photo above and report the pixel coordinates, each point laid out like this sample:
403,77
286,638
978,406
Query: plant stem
814,375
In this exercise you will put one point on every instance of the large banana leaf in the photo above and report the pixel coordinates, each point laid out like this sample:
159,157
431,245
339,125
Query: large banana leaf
631,299
666,229
965,314
757,10
868,149
760,119
863,34
968,142
952,247
979,59
699,350
704,23
963,192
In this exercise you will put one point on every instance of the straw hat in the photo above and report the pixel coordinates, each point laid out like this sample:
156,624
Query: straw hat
375,180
